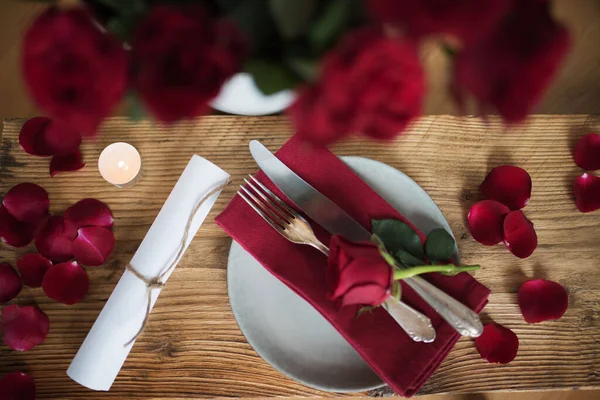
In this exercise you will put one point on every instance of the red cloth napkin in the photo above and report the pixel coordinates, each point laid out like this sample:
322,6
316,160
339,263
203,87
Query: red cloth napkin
403,364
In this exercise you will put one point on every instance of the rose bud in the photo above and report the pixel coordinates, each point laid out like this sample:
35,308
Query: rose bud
357,273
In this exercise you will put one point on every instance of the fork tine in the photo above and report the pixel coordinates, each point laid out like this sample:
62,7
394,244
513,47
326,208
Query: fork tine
273,204
274,196
265,208
268,219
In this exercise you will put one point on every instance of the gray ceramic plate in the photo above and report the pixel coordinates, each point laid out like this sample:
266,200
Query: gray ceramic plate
291,335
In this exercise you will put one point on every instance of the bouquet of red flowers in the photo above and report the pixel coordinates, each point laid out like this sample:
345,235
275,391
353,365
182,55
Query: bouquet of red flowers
355,63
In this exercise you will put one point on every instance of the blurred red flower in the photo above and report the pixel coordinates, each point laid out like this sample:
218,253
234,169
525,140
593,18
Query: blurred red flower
370,84
182,58
465,20
511,69
75,72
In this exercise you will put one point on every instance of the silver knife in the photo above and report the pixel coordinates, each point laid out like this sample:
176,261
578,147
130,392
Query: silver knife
337,222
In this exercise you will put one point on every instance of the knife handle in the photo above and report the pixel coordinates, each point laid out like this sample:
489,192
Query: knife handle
460,317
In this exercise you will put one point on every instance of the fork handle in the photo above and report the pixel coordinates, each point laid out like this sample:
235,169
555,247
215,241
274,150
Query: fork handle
416,325
464,320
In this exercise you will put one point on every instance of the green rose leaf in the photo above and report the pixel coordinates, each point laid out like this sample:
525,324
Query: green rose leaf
332,22
408,259
270,77
439,245
397,235
292,17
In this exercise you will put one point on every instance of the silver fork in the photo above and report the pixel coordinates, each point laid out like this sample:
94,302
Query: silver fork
292,226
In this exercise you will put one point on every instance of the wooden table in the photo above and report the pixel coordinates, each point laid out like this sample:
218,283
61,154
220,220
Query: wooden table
193,347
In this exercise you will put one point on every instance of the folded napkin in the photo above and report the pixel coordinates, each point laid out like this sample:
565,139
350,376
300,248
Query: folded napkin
403,364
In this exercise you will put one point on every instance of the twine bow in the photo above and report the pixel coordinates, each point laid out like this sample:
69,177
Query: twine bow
158,282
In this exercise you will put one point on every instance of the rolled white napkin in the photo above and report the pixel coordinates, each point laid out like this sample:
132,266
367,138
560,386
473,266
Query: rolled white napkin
102,354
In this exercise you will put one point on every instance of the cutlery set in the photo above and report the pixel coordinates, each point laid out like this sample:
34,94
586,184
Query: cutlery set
295,228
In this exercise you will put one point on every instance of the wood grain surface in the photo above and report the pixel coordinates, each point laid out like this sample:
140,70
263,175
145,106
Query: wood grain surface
193,347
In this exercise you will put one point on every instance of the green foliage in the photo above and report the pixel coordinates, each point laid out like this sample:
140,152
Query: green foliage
397,235
331,23
270,77
135,108
408,259
292,17
439,245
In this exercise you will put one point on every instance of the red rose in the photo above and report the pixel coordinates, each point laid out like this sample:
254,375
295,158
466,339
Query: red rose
183,58
511,69
357,273
370,84
466,20
75,72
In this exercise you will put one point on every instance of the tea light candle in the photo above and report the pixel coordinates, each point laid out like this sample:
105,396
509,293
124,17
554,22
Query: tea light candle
120,164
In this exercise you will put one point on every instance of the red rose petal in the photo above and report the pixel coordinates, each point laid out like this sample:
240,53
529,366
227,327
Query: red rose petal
24,328
542,300
61,139
27,202
67,283
486,222
497,344
10,283
14,232
70,162
90,212
32,268
31,137
587,193
587,152
508,185
93,245
17,386
54,240
519,234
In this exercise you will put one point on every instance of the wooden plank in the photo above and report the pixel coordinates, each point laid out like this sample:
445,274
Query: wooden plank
192,346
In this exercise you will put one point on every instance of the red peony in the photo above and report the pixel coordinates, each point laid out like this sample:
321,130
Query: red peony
370,84
357,273
75,71
465,20
511,69
183,58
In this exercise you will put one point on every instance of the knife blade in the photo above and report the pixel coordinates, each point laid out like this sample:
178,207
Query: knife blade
314,204
336,221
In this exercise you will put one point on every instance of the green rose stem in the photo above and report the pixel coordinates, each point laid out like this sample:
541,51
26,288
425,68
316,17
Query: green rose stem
449,269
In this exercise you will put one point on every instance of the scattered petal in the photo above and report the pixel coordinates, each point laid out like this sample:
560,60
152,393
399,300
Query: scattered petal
27,202
54,241
93,245
14,232
10,283
541,300
17,386
90,212
587,152
61,139
70,162
508,185
31,137
497,344
519,234
25,327
32,268
486,222
67,283
587,193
